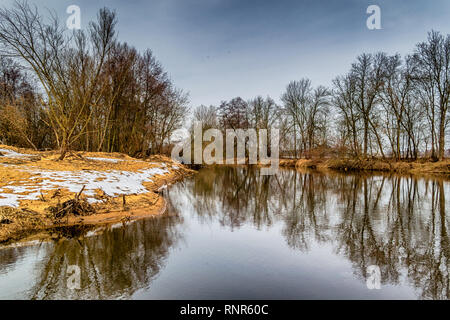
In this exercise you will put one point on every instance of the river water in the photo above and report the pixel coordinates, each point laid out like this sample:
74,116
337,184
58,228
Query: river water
231,233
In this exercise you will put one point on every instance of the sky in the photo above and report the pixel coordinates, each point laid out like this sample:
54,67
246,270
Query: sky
220,49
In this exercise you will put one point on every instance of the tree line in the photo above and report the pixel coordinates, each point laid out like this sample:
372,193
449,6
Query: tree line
82,89
85,90
385,106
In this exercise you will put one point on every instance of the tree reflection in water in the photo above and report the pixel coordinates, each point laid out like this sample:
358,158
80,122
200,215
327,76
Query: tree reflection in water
396,222
113,265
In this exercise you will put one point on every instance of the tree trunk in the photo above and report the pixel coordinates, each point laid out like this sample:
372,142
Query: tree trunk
366,136
63,150
441,137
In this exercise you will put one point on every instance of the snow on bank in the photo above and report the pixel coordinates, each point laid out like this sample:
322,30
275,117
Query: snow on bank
113,183
12,154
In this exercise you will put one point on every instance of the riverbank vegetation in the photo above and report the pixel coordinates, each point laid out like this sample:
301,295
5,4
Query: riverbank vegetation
81,90
77,110
87,91
418,167
387,108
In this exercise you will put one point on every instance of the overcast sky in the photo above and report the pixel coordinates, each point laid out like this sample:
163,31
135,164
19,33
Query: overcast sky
220,49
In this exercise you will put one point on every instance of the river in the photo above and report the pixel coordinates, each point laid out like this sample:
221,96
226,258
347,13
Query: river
232,233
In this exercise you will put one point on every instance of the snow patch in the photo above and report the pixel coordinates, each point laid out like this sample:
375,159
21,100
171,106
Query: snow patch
113,183
12,154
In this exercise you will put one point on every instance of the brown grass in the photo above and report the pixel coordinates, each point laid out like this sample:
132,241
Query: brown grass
413,167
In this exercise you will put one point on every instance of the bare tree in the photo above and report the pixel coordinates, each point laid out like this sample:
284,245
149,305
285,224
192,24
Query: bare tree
262,112
433,75
234,114
22,120
368,73
307,109
316,117
207,116
344,99
67,66
295,100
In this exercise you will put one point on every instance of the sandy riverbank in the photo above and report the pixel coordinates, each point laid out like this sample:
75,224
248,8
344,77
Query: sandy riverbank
37,192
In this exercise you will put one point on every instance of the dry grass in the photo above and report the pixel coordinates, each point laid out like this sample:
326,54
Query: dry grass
416,167
17,223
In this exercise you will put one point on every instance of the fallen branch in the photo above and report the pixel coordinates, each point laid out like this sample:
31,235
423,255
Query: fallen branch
79,193
75,207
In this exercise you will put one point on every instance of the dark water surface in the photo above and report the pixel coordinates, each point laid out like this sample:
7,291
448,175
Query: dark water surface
231,233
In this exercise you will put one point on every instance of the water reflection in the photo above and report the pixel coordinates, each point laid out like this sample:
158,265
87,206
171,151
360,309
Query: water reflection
112,265
397,223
